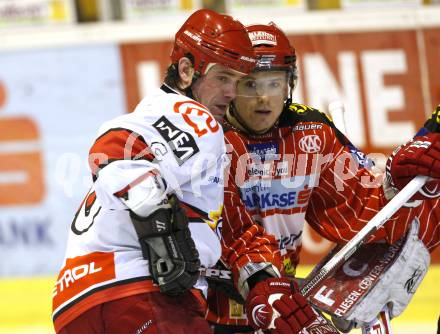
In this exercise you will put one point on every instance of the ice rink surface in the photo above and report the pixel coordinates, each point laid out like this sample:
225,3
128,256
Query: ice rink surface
25,306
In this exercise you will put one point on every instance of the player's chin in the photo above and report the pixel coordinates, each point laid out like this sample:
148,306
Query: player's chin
260,123
256,126
218,111
219,118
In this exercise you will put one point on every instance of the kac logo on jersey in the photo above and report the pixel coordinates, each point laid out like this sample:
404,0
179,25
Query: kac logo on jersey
430,190
86,214
310,144
182,143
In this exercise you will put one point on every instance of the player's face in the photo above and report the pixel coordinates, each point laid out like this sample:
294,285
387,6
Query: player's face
216,89
260,99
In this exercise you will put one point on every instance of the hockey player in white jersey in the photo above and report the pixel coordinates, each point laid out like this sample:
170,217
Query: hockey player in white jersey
149,220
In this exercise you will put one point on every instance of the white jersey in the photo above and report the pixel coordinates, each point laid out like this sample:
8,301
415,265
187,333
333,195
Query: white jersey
180,139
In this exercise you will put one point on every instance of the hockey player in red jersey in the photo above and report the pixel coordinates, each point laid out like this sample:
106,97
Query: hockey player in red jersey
289,164
149,221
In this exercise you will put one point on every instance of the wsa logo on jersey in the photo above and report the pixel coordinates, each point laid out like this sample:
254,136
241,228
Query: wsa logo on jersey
182,143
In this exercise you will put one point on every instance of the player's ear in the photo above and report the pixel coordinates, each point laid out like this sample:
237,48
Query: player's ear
186,72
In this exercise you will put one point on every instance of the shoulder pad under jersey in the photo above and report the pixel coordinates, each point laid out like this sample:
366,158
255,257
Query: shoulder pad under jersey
296,113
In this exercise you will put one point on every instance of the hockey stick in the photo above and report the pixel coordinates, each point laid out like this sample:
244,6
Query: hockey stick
377,221
382,321
337,110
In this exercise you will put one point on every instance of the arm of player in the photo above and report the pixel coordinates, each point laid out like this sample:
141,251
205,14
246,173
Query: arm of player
119,157
428,213
246,247
348,196
127,177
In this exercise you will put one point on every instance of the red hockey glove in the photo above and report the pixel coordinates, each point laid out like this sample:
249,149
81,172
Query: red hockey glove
279,297
419,156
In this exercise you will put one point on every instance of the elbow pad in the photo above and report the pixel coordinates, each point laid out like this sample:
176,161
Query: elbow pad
145,194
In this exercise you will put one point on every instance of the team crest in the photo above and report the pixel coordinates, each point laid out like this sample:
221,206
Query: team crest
310,144
197,116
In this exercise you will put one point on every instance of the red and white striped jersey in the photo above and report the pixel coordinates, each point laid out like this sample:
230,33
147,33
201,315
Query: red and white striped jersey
173,135
304,169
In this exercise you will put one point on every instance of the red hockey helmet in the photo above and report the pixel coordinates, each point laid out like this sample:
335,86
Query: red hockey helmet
214,38
273,49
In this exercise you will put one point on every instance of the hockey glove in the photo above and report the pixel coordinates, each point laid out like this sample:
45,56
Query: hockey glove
276,304
419,156
166,243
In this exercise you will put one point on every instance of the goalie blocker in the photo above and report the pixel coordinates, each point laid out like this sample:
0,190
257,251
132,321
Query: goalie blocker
376,275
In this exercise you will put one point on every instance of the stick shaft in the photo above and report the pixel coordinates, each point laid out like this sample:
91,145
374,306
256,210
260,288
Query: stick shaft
337,112
377,221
